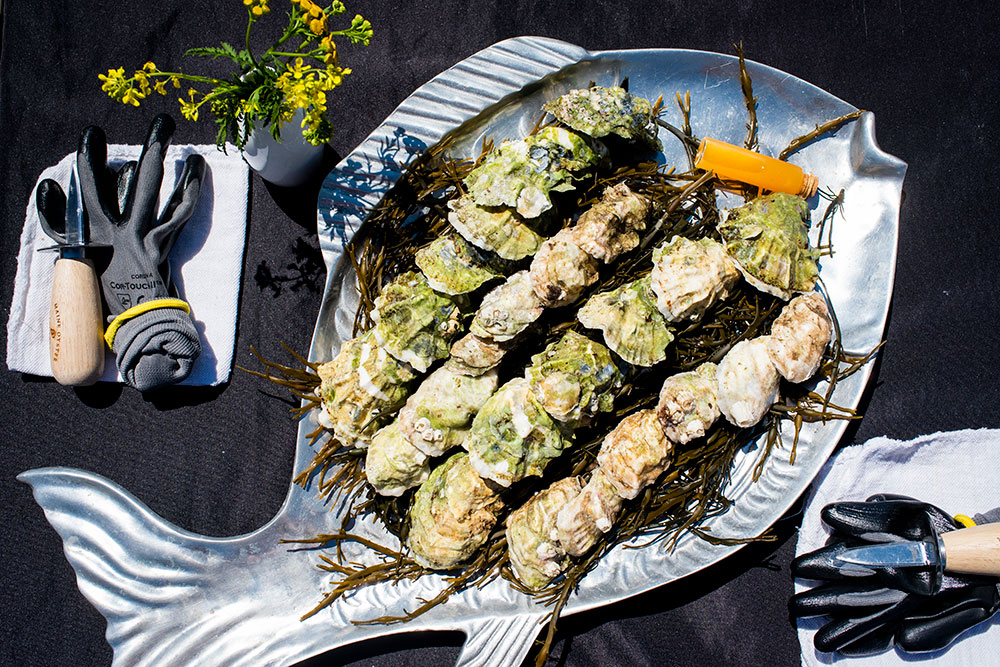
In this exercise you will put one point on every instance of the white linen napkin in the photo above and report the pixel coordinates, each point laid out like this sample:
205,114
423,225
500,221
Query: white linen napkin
206,264
957,471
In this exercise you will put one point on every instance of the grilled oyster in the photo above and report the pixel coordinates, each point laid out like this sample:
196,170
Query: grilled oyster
414,323
495,228
507,310
454,266
689,277
573,378
513,437
799,336
610,227
748,382
472,355
600,111
561,270
631,324
438,414
582,520
362,383
769,239
452,515
392,464
523,173
689,404
635,453
534,555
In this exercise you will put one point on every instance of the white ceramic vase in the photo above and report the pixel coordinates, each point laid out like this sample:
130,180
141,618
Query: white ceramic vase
288,162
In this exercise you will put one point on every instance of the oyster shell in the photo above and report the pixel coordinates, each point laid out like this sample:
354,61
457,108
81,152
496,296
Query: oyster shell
507,310
452,515
361,383
414,323
438,414
392,464
689,404
454,266
582,520
610,227
689,277
494,228
769,239
748,382
472,355
522,173
573,378
513,437
631,324
600,111
535,556
799,337
635,453
561,270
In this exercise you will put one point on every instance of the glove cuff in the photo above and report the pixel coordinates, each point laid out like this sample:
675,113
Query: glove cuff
156,348
135,311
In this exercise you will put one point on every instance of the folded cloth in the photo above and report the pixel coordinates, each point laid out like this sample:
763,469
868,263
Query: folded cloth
957,471
206,265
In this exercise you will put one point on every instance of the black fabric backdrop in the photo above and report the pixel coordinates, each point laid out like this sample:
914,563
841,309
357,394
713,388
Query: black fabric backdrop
218,461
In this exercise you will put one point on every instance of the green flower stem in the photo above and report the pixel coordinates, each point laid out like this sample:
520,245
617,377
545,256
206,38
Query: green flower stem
246,40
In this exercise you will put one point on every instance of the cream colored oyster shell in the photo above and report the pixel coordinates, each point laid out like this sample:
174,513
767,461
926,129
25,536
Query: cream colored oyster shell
689,404
561,270
630,322
507,310
392,464
574,378
534,556
438,414
452,515
583,520
611,226
496,228
635,453
748,382
689,277
599,111
454,266
799,337
472,355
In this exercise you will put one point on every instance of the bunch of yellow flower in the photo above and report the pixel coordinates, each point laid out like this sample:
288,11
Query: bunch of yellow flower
267,88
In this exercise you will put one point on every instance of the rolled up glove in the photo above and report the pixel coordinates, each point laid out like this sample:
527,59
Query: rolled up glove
151,332
908,607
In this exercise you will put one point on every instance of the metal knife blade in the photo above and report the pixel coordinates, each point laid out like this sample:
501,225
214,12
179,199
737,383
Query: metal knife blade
76,234
893,554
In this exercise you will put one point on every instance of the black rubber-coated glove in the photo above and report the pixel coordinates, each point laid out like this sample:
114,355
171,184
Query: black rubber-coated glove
907,607
151,333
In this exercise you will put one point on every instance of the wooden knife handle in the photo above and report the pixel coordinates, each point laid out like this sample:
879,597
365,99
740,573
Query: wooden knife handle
76,340
973,550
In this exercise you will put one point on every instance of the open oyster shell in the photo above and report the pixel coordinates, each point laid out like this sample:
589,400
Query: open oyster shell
769,239
452,515
535,556
631,324
392,464
495,228
438,414
799,337
689,277
582,520
513,437
689,403
454,266
507,310
635,453
611,226
561,270
573,378
414,323
600,111
748,382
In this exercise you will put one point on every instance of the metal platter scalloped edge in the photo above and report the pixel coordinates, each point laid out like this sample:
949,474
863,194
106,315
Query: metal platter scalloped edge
498,93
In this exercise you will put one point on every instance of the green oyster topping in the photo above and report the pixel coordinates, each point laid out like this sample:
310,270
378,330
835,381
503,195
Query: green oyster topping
452,515
536,558
392,464
359,388
494,228
513,437
437,416
523,172
453,266
507,310
689,277
573,378
631,324
414,323
769,239
599,111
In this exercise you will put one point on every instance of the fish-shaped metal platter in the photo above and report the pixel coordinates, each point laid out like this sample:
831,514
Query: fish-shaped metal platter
172,597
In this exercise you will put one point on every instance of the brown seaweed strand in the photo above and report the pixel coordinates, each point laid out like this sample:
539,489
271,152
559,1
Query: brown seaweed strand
746,85
820,130
835,206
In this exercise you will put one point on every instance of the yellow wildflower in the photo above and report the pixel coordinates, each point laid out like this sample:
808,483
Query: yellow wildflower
176,81
318,26
149,66
160,87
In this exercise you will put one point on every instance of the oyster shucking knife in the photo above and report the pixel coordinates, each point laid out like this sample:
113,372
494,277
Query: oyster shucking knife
76,341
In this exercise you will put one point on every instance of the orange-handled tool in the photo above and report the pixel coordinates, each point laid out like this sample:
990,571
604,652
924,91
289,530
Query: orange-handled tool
739,164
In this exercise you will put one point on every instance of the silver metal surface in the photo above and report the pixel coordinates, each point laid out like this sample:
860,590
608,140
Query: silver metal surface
175,598
905,553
